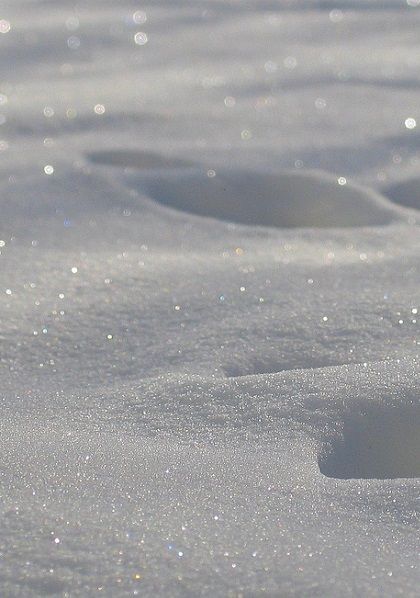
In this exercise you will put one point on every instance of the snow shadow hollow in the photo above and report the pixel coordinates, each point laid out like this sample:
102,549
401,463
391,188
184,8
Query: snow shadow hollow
405,193
380,443
253,197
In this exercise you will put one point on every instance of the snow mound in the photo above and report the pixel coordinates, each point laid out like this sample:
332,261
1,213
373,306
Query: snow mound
285,198
381,443
406,193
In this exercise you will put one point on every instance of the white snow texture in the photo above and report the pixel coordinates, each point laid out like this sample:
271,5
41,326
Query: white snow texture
209,298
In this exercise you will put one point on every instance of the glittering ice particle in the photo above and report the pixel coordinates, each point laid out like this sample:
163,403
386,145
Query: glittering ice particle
139,17
72,23
48,111
140,38
336,16
73,42
410,123
4,26
229,101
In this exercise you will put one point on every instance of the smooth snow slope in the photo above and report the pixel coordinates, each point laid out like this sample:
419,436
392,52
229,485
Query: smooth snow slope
209,298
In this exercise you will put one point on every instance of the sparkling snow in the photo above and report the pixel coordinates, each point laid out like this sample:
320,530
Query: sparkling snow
209,295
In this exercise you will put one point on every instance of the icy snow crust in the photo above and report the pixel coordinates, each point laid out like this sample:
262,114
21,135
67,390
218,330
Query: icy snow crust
209,343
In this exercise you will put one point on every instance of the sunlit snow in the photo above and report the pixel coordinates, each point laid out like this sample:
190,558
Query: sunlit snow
209,295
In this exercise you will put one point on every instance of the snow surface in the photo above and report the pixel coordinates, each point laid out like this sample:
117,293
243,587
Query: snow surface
209,298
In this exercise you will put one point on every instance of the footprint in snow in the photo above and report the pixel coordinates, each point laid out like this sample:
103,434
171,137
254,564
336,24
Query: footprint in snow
405,193
381,443
284,198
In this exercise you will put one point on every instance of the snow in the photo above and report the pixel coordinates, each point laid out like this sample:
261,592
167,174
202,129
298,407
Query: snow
285,199
209,295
